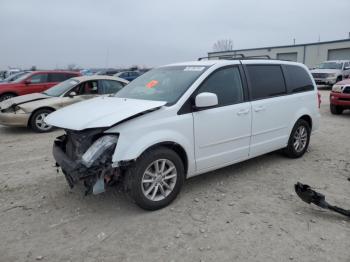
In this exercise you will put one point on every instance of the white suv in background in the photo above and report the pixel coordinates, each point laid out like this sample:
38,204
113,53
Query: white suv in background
182,120
331,72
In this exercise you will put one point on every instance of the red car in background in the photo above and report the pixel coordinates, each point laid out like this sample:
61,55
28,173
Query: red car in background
340,97
34,82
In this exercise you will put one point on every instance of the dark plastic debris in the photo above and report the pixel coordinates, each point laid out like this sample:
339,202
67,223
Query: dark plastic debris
310,196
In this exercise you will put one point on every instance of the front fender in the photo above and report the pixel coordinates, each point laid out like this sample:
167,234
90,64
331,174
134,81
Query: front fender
130,148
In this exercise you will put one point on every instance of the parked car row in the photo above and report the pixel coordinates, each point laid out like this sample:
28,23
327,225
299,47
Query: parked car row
33,82
30,110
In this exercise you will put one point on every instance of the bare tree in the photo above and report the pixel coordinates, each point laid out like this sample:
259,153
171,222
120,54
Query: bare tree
223,45
71,66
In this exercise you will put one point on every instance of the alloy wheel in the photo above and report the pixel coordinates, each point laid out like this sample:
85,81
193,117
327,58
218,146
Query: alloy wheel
159,179
40,122
300,139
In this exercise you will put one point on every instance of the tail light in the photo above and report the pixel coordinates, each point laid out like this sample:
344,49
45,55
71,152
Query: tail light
319,99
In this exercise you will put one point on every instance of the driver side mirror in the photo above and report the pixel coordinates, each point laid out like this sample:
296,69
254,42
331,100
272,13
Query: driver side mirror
27,82
72,94
206,99
347,68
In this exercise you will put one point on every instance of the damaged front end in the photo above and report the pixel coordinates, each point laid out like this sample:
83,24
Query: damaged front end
87,156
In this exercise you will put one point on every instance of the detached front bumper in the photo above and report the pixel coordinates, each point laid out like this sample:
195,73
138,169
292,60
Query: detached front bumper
14,119
340,99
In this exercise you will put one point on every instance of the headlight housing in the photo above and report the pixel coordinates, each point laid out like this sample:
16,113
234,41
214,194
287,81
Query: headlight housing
12,109
337,88
98,148
331,75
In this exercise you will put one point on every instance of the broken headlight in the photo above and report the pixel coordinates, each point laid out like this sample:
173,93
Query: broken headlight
98,148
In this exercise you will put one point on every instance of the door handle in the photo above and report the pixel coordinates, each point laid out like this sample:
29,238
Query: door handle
243,112
259,108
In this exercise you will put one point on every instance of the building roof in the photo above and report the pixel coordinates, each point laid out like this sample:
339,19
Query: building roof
283,46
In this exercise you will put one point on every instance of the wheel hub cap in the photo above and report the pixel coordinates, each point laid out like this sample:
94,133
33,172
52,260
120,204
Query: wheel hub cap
300,139
159,179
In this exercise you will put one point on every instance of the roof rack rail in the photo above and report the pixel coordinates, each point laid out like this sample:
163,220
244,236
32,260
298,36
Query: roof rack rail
236,57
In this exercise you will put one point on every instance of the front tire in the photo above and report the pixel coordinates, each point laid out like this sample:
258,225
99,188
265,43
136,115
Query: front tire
299,139
336,110
37,121
155,179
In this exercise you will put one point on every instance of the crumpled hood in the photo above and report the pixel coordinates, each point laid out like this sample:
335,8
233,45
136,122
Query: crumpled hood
327,71
102,111
22,99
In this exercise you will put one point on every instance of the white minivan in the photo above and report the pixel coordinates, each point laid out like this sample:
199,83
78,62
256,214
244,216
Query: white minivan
185,119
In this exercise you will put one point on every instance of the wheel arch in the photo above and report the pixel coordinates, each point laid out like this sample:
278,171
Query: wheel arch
36,110
177,148
308,119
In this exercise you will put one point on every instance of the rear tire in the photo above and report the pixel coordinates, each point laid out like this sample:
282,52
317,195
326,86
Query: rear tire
299,139
37,122
336,110
6,96
155,179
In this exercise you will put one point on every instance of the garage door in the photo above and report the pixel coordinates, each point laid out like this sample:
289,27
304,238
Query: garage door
288,56
339,54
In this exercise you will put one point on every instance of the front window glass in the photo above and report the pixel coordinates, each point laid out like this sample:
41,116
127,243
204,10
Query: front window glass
61,88
39,78
166,84
226,84
331,65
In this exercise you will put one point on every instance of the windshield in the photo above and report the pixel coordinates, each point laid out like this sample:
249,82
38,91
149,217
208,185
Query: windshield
331,65
21,78
61,88
14,77
166,84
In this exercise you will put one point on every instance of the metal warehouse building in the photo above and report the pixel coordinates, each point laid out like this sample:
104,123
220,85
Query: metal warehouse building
310,54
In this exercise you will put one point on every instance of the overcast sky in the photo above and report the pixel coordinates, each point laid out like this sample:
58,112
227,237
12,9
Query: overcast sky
154,32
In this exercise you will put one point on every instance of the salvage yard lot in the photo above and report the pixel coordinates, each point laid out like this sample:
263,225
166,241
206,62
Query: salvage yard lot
245,212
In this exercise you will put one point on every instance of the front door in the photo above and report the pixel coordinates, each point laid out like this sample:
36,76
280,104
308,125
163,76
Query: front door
222,134
37,83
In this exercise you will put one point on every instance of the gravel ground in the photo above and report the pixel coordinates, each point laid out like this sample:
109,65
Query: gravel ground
245,212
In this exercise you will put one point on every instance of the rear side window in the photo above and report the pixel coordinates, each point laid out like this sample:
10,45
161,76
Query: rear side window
110,86
297,79
266,81
226,84
59,77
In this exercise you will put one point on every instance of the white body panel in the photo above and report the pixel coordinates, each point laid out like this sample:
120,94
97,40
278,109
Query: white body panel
222,135
211,138
99,112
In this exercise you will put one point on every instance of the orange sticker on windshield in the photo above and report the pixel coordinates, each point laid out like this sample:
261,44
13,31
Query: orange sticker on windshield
152,84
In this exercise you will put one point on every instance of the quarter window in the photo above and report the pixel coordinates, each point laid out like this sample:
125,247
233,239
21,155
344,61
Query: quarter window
58,77
226,84
297,79
266,81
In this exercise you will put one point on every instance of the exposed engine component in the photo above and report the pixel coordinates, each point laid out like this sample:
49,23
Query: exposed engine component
310,196
87,156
